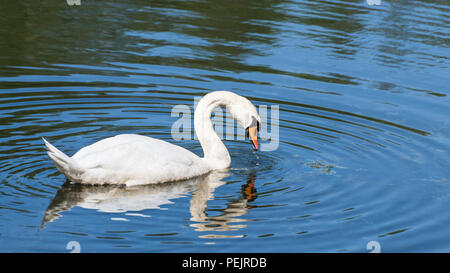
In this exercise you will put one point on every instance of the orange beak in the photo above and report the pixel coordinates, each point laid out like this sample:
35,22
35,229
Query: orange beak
253,135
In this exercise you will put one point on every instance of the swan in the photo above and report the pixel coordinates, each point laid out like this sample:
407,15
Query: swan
131,159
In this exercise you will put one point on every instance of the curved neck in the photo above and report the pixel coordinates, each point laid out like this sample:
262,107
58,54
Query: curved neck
215,152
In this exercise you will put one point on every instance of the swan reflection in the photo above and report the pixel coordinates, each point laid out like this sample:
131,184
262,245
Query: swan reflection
228,219
115,199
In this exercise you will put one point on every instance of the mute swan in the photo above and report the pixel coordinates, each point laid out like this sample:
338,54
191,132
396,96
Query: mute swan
131,159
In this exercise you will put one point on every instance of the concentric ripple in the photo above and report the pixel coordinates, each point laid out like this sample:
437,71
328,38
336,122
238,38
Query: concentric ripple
361,132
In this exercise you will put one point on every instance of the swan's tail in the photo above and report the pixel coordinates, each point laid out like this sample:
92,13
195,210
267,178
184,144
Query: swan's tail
64,164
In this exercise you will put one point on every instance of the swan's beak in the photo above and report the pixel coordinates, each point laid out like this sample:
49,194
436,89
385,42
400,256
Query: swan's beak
253,135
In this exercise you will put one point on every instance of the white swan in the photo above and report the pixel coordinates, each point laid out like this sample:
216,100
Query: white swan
131,159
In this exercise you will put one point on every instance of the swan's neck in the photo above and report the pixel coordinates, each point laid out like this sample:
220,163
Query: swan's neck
215,152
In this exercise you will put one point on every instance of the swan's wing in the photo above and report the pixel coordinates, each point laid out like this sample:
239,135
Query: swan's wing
134,159
109,142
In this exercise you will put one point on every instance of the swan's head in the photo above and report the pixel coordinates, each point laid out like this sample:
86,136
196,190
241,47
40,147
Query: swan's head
251,131
240,108
244,112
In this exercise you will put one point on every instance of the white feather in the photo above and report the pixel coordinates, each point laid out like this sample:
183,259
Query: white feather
135,160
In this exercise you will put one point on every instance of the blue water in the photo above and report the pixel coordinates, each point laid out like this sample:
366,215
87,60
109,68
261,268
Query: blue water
364,125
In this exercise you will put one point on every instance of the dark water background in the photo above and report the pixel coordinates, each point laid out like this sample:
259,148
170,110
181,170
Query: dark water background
363,96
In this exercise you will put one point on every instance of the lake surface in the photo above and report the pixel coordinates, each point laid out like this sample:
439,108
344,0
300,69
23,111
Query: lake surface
362,152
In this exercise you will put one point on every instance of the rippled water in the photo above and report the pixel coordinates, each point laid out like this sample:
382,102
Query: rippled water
364,124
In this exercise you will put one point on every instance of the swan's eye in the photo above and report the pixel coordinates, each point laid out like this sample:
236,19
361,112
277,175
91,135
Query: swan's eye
254,123
246,132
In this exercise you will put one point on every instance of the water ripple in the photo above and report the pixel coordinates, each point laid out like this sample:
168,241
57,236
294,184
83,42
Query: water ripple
363,124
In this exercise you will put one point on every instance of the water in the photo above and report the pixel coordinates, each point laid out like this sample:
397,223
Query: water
364,124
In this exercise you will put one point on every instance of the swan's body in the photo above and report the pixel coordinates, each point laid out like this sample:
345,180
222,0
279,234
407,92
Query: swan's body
135,160
130,159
